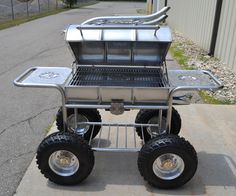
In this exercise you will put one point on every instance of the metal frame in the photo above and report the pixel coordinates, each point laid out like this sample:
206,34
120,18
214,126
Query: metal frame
117,128
161,106
119,22
137,20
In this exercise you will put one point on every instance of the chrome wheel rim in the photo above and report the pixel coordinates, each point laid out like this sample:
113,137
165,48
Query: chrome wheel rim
155,130
79,129
63,163
168,166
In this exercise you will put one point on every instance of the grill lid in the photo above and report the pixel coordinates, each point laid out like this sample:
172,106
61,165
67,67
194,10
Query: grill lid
76,33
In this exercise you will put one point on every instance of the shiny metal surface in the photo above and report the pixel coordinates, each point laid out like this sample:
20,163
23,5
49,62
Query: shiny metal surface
116,137
168,166
190,78
128,19
130,84
118,76
108,45
77,33
161,122
73,124
63,163
119,46
44,76
104,84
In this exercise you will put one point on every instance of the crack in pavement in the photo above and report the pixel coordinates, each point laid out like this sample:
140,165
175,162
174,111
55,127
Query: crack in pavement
32,57
30,126
16,157
28,119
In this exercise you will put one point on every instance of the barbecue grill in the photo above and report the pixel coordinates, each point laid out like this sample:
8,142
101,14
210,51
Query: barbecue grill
119,65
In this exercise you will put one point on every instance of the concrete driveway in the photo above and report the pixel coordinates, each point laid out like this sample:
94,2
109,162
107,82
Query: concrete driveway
210,129
26,113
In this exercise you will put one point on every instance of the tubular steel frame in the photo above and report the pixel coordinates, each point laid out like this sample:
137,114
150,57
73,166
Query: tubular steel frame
120,22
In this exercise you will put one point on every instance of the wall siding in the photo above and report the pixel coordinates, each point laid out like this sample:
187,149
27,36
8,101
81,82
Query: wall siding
226,41
195,20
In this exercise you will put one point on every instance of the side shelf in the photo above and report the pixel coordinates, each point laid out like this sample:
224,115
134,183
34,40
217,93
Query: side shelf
43,77
193,80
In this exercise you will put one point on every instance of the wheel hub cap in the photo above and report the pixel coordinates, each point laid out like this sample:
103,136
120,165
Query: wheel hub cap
156,130
168,166
76,127
63,163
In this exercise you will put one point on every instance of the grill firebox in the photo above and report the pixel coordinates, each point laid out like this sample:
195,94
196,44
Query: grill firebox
118,76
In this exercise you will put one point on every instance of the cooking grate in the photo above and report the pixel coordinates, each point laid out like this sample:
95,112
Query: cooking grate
118,76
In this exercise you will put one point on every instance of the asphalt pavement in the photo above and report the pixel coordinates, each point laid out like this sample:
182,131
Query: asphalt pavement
26,114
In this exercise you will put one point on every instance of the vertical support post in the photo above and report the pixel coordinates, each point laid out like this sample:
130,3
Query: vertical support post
76,118
64,109
151,9
12,10
27,8
39,6
56,4
157,5
48,5
169,111
149,6
166,2
159,121
215,27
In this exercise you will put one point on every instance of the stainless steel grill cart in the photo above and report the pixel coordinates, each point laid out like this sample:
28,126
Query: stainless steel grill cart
119,66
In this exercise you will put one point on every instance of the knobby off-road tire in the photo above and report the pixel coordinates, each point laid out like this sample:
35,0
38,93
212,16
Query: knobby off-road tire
65,158
86,115
144,116
167,161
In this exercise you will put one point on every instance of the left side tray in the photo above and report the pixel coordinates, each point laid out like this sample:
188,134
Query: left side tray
43,77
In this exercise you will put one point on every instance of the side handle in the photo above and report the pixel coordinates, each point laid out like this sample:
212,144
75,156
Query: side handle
18,80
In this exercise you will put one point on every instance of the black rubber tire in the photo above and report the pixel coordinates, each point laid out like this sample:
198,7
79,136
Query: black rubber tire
144,116
167,144
72,143
91,114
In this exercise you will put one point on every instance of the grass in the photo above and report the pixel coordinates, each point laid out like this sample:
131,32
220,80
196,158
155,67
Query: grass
18,21
179,55
211,100
21,20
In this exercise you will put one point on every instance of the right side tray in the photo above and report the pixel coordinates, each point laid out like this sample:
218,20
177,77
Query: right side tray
193,80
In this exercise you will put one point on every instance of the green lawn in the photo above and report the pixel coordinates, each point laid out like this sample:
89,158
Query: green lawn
21,20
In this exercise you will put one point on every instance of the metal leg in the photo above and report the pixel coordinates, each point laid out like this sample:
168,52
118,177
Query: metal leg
64,109
76,117
160,121
169,111
143,141
91,136
64,112
168,122
117,136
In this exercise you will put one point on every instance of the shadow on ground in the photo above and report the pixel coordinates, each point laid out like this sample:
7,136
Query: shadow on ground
121,169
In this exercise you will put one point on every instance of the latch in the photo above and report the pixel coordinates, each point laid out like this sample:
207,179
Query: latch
117,107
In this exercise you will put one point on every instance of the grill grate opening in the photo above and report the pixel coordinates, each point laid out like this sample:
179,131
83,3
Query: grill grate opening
118,76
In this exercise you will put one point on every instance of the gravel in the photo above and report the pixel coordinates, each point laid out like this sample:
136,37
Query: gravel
198,58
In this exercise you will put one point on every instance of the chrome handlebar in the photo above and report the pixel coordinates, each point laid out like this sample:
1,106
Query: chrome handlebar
136,20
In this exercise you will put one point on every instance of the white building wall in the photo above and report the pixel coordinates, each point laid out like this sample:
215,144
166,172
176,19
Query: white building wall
195,18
